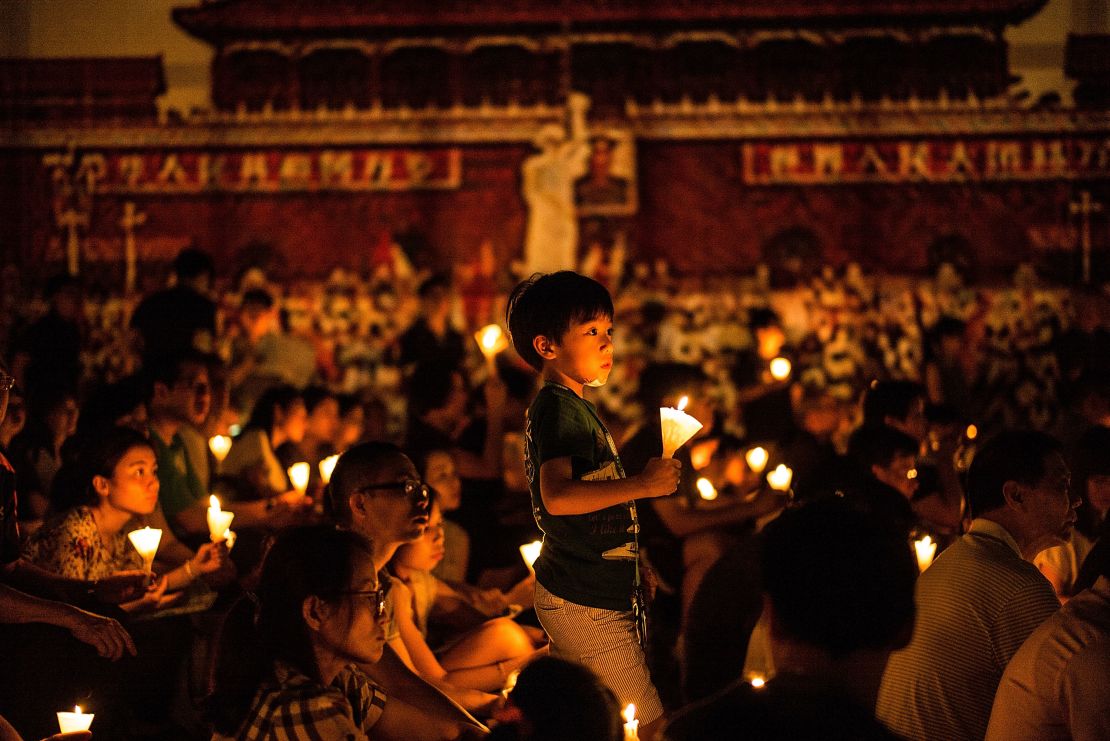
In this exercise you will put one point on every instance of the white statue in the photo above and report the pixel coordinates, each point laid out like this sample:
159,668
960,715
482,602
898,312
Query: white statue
551,238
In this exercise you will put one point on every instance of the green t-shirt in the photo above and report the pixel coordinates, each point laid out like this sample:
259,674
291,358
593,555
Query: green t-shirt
588,559
179,485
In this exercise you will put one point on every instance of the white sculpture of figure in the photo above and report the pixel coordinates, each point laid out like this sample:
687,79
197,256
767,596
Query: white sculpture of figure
551,238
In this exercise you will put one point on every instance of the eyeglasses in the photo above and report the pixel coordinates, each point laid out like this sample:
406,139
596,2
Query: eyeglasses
415,490
378,595
6,382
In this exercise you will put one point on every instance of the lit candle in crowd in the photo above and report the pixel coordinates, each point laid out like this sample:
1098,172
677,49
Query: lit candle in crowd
971,432
706,489
75,721
678,427
631,725
219,445
926,549
780,369
757,681
298,476
757,459
491,340
327,466
146,543
780,478
229,538
530,552
218,520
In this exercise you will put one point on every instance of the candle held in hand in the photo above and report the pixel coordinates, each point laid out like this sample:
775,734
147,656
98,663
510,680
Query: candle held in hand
75,721
327,466
780,478
530,552
491,340
298,476
220,445
631,725
678,427
925,549
706,489
218,520
146,543
780,369
757,459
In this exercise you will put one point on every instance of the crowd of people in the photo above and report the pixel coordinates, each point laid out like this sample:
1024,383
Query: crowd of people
381,593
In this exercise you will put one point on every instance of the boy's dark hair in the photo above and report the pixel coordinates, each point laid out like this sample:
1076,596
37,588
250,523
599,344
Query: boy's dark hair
192,262
877,446
889,399
1015,455
845,594
167,369
258,297
352,471
661,380
548,304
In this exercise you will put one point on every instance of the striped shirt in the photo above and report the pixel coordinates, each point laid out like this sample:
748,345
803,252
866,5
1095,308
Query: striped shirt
297,708
976,605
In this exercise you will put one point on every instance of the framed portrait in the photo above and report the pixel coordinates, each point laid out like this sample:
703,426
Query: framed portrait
608,187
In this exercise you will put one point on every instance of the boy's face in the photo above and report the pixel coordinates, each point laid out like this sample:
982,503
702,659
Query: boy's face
584,354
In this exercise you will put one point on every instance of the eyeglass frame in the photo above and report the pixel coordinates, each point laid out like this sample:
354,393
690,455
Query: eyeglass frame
409,487
380,595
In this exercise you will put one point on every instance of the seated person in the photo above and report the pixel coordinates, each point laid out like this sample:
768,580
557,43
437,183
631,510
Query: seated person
321,431
438,468
87,537
886,479
37,450
484,649
285,664
555,699
278,417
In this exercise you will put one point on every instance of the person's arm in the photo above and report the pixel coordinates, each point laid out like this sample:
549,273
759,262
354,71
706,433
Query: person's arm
401,683
1085,695
104,634
271,512
121,586
401,721
683,521
562,494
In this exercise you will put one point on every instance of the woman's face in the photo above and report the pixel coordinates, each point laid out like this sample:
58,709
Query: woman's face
323,423
350,627
292,421
424,554
62,419
133,487
440,474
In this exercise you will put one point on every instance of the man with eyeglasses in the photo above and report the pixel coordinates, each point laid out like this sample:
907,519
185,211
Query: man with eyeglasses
376,491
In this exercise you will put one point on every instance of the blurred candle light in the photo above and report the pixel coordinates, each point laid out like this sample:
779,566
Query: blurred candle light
75,721
298,476
780,369
327,466
757,459
146,542
530,552
780,478
926,549
491,340
706,489
757,681
218,521
229,538
220,445
678,427
971,432
631,725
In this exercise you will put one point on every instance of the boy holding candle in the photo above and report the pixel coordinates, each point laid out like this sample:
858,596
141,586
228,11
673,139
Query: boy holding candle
588,581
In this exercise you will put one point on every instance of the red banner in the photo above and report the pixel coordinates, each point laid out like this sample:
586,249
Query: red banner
275,171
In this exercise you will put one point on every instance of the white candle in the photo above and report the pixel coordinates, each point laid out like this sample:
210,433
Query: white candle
530,552
327,466
491,340
75,721
678,427
706,489
219,445
925,549
229,538
218,520
298,475
780,478
146,543
757,459
780,369
631,725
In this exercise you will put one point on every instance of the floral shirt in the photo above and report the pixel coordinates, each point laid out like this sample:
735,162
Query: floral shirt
293,707
71,546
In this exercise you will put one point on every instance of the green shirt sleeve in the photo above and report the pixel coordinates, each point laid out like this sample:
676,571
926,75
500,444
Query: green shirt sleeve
561,429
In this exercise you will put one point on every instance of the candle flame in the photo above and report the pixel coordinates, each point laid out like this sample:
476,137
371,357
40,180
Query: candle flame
780,478
298,476
757,459
629,713
219,445
327,466
77,709
925,549
972,432
682,403
213,502
530,552
780,369
491,340
758,682
706,489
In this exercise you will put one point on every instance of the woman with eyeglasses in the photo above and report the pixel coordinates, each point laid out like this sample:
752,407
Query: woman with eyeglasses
286,657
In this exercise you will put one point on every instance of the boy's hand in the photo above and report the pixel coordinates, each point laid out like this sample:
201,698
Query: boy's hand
660,477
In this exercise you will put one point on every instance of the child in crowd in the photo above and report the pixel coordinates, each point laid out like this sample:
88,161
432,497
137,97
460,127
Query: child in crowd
285,668
486,646
589,592
555,700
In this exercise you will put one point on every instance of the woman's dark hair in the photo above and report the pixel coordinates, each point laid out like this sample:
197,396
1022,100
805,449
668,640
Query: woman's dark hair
260,629
563,700
101,454
262,416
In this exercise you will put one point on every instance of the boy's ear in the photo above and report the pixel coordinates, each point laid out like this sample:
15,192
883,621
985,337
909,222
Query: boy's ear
544,347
